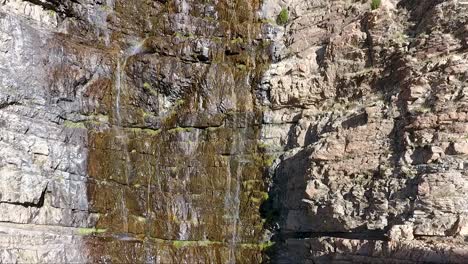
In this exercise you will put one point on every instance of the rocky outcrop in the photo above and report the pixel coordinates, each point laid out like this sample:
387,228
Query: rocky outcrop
129,131
233,131
366,122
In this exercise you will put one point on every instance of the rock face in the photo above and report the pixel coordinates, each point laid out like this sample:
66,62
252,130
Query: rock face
366,119
193,131
129,132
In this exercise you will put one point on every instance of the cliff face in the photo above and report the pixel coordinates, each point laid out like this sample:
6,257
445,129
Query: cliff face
367,113
202,131
129,131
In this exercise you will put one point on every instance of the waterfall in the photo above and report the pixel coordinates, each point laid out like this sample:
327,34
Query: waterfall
120,84
233,199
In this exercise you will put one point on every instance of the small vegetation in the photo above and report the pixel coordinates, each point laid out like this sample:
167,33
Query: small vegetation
187,243
71,124
90,231
180,129
261,246
268,161
283,17
375,4
238,40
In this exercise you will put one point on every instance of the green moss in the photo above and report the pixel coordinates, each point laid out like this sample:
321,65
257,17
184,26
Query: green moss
106,8
255,200
422,109
263,145
267,21
149,131
71,124
187,243
266,245
268,161
249,184
206,243
259,197
283,17
375,4
180,129
217,40
237,41
179,102
179,243
83,231
178,34
241,67
51,13
183,35
261,246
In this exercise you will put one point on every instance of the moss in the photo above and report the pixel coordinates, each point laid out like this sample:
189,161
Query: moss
241,67
217,40
179,243
149,131
51,13
179,102
259,197
256,200
263,145
237,41
183,35
188,243
180,129
268,161
283,17
90,231
250,184
206,243
71,124
261,246
178,34
267,21
266,245
375,4
422,109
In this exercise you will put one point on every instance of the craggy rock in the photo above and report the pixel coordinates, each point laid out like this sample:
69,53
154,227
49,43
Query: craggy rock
365,120
129,131
188,131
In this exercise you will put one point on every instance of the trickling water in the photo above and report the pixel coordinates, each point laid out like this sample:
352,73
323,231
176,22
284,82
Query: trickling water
120,83
233,198
235,217
118,88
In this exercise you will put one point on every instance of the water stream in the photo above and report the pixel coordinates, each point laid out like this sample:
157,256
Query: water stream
233,198
120,85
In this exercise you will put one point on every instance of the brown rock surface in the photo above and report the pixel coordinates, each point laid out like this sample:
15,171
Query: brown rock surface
371,168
